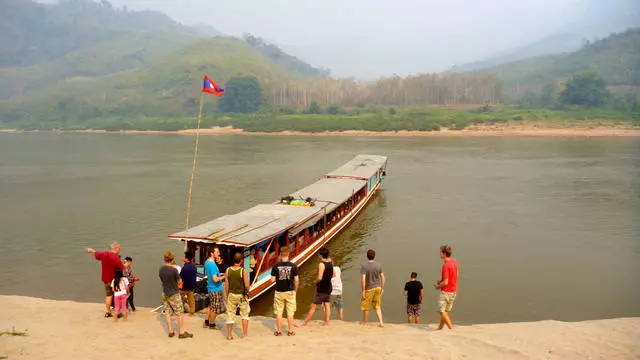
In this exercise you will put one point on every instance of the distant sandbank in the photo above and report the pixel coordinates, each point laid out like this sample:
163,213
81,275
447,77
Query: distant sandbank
482,130
71,330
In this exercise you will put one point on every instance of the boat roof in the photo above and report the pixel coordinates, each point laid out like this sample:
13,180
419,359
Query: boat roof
361,167
250,226
267,220
330,190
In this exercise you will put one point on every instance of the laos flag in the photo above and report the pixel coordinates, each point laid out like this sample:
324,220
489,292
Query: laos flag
210,86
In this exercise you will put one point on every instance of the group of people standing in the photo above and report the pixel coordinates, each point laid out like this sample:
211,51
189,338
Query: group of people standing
228,289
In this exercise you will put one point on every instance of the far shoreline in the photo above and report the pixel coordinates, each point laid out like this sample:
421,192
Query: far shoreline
497,130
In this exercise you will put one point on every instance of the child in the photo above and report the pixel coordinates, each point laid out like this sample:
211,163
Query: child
120,287
336,292
414,292
128,273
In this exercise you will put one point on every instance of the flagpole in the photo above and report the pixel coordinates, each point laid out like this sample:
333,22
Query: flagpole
193,166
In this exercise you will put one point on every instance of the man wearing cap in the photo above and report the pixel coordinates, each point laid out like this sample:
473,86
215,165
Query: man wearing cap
110,262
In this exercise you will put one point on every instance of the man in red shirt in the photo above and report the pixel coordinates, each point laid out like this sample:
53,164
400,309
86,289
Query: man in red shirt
448,285
110,262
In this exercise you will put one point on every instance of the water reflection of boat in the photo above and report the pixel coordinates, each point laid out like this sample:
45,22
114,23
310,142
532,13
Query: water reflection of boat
304,221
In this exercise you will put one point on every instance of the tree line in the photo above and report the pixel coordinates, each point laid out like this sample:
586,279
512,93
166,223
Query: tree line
395,91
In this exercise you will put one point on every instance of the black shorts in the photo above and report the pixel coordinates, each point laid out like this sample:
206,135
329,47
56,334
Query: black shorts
321,298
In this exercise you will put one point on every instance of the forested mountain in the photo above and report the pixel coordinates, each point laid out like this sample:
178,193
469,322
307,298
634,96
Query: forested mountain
616,59
285,60
31,33
587,20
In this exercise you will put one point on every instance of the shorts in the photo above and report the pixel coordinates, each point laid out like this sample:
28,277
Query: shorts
445,302
336,300
372,297
107,289
173,305
414,310
321,298
216,302
235,301
282,300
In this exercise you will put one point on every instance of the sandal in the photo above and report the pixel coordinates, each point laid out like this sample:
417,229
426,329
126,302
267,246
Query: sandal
277,333
107,315
291,333
172,334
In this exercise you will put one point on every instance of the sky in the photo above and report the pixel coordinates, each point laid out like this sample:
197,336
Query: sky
371,38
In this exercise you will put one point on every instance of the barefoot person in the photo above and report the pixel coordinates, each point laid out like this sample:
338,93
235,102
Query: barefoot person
236,282
336,292
132,278
448,285
414,292
170,279
285,275
110,262
323,288
120,288
372,281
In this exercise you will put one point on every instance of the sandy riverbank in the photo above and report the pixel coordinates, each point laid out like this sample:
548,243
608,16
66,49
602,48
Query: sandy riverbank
482,130
70,330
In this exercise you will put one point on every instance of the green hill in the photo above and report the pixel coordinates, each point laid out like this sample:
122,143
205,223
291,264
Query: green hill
166,87
59,69
616,59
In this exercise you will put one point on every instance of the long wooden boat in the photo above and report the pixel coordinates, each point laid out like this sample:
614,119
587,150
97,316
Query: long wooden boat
304,221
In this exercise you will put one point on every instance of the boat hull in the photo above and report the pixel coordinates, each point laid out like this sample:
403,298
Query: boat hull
263,286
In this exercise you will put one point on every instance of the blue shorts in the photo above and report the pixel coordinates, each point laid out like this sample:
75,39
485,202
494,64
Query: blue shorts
336,300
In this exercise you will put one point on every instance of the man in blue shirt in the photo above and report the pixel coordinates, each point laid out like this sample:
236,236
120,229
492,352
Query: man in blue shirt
215,287
189,274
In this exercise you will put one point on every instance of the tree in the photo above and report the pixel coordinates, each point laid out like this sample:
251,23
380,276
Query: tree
314,108
585,89
549,95
241,95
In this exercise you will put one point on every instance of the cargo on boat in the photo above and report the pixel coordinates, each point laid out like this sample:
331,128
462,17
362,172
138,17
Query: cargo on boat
304,221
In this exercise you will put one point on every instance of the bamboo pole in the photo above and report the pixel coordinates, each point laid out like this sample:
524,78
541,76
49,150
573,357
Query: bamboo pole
193,166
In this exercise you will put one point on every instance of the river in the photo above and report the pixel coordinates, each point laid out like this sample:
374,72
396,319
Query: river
542,228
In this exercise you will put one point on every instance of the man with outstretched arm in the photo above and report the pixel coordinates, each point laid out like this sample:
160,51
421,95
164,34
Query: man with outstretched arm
110,262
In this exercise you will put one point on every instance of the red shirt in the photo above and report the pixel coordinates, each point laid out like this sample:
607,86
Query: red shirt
450,272
110,262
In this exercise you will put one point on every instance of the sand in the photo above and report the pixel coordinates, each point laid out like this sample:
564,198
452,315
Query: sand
584,130
70,330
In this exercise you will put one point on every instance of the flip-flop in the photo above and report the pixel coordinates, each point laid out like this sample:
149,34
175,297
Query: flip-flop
277,333
172,334
291,333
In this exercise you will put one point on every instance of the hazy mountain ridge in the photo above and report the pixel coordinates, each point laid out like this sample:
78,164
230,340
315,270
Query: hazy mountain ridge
593,20
615,58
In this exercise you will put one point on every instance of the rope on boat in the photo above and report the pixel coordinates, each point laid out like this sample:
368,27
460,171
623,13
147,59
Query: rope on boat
193,166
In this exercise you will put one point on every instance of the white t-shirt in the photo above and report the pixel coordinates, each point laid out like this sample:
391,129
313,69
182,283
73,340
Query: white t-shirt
336,282
124,283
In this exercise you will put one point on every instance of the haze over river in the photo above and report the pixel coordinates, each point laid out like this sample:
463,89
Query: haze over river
543,228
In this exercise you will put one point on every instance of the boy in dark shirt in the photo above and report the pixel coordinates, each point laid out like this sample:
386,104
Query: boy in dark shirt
188,275
414,292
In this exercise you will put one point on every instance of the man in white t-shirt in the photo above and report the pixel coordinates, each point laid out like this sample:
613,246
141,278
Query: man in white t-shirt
336,292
